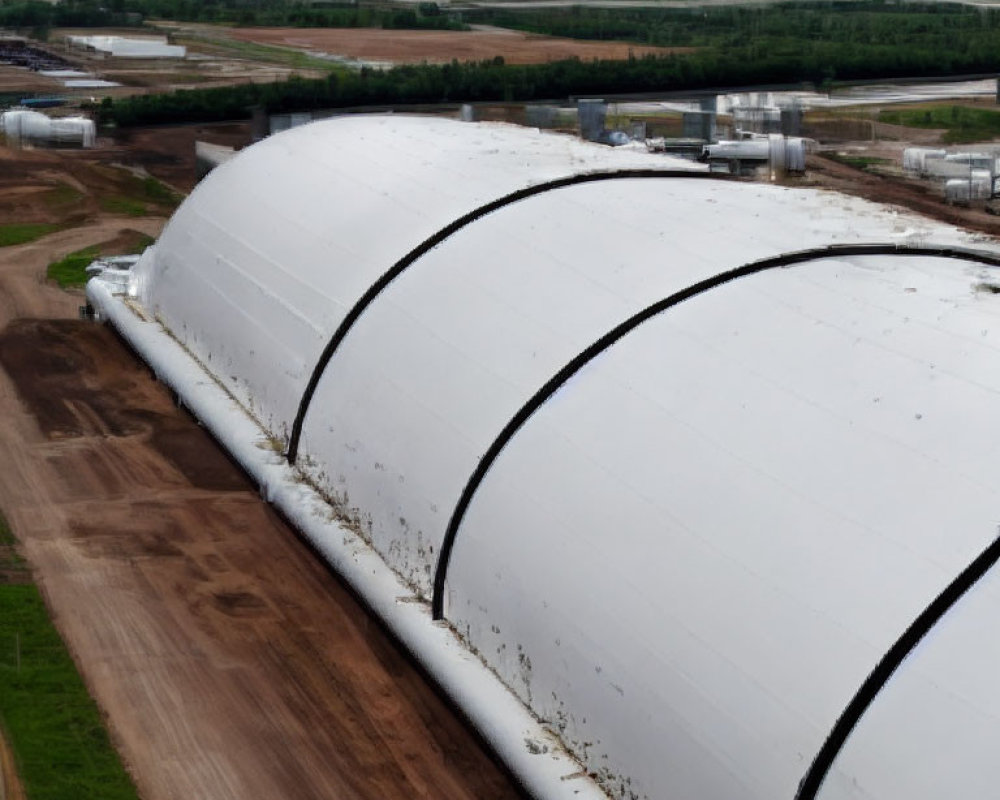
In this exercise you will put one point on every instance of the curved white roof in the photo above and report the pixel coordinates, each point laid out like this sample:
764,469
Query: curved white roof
275,248
728,518
690,551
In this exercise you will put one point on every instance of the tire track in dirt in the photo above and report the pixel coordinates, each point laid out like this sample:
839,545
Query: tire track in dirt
227,659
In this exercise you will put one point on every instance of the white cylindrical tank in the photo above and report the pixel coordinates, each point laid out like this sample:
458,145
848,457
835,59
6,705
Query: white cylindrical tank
915,158
746,150
23,125
978,186
943,168
795,154
72,130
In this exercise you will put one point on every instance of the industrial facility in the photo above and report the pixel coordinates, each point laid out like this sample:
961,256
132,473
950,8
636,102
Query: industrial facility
962,175
679,485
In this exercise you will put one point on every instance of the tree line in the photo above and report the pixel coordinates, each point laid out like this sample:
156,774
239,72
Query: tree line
870,22
495,81
731,46
36,16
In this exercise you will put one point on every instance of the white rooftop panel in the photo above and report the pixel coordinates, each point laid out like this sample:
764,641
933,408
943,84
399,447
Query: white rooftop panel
306,221
439,363
693,555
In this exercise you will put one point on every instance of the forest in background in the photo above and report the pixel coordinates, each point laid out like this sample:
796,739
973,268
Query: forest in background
40,17
785,44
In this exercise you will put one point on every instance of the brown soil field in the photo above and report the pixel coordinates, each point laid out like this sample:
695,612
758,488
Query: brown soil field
69,187
19,79
919,196
414,47
228,661
168,152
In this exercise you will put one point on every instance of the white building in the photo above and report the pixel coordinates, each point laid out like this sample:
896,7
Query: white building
696,476
128,47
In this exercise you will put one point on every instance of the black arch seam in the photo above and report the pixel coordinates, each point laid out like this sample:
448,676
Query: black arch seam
855,709
433,241
616,333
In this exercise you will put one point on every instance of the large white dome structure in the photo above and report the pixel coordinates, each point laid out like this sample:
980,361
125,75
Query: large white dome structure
700,470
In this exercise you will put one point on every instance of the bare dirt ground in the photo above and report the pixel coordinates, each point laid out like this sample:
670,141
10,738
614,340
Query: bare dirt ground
19,79
918,196
167,152
207,65
68,187
414,47
226,658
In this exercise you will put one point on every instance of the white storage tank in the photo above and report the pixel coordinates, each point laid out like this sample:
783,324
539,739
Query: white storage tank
915,158
23,126
739,150
978,186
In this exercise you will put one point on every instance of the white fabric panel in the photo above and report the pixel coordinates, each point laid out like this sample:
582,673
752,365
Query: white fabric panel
261,263
690,558
445,356
932,732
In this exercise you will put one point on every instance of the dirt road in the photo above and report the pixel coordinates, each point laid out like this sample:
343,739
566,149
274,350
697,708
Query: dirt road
919,196
227,659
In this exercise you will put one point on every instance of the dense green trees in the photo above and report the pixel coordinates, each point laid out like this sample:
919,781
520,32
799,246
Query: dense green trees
34,14
860,23
495,81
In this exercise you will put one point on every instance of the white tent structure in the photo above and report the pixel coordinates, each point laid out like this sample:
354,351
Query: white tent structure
701,470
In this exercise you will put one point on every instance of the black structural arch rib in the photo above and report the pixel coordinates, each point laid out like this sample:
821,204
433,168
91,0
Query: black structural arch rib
608,339
433,241
813,780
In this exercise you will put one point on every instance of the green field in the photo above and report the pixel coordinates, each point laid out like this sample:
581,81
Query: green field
961,123
22,233
125,206
50,721
856,161
69,270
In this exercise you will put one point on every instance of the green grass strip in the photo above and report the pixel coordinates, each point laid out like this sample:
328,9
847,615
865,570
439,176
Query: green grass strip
50,721
125,206
22,233
10,560
962,123
70,270
284,56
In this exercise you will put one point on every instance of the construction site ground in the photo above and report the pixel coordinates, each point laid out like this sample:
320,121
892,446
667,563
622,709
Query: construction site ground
227,659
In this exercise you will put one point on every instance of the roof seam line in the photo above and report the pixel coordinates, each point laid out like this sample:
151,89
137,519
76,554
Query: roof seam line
812,781
433,241
608,339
